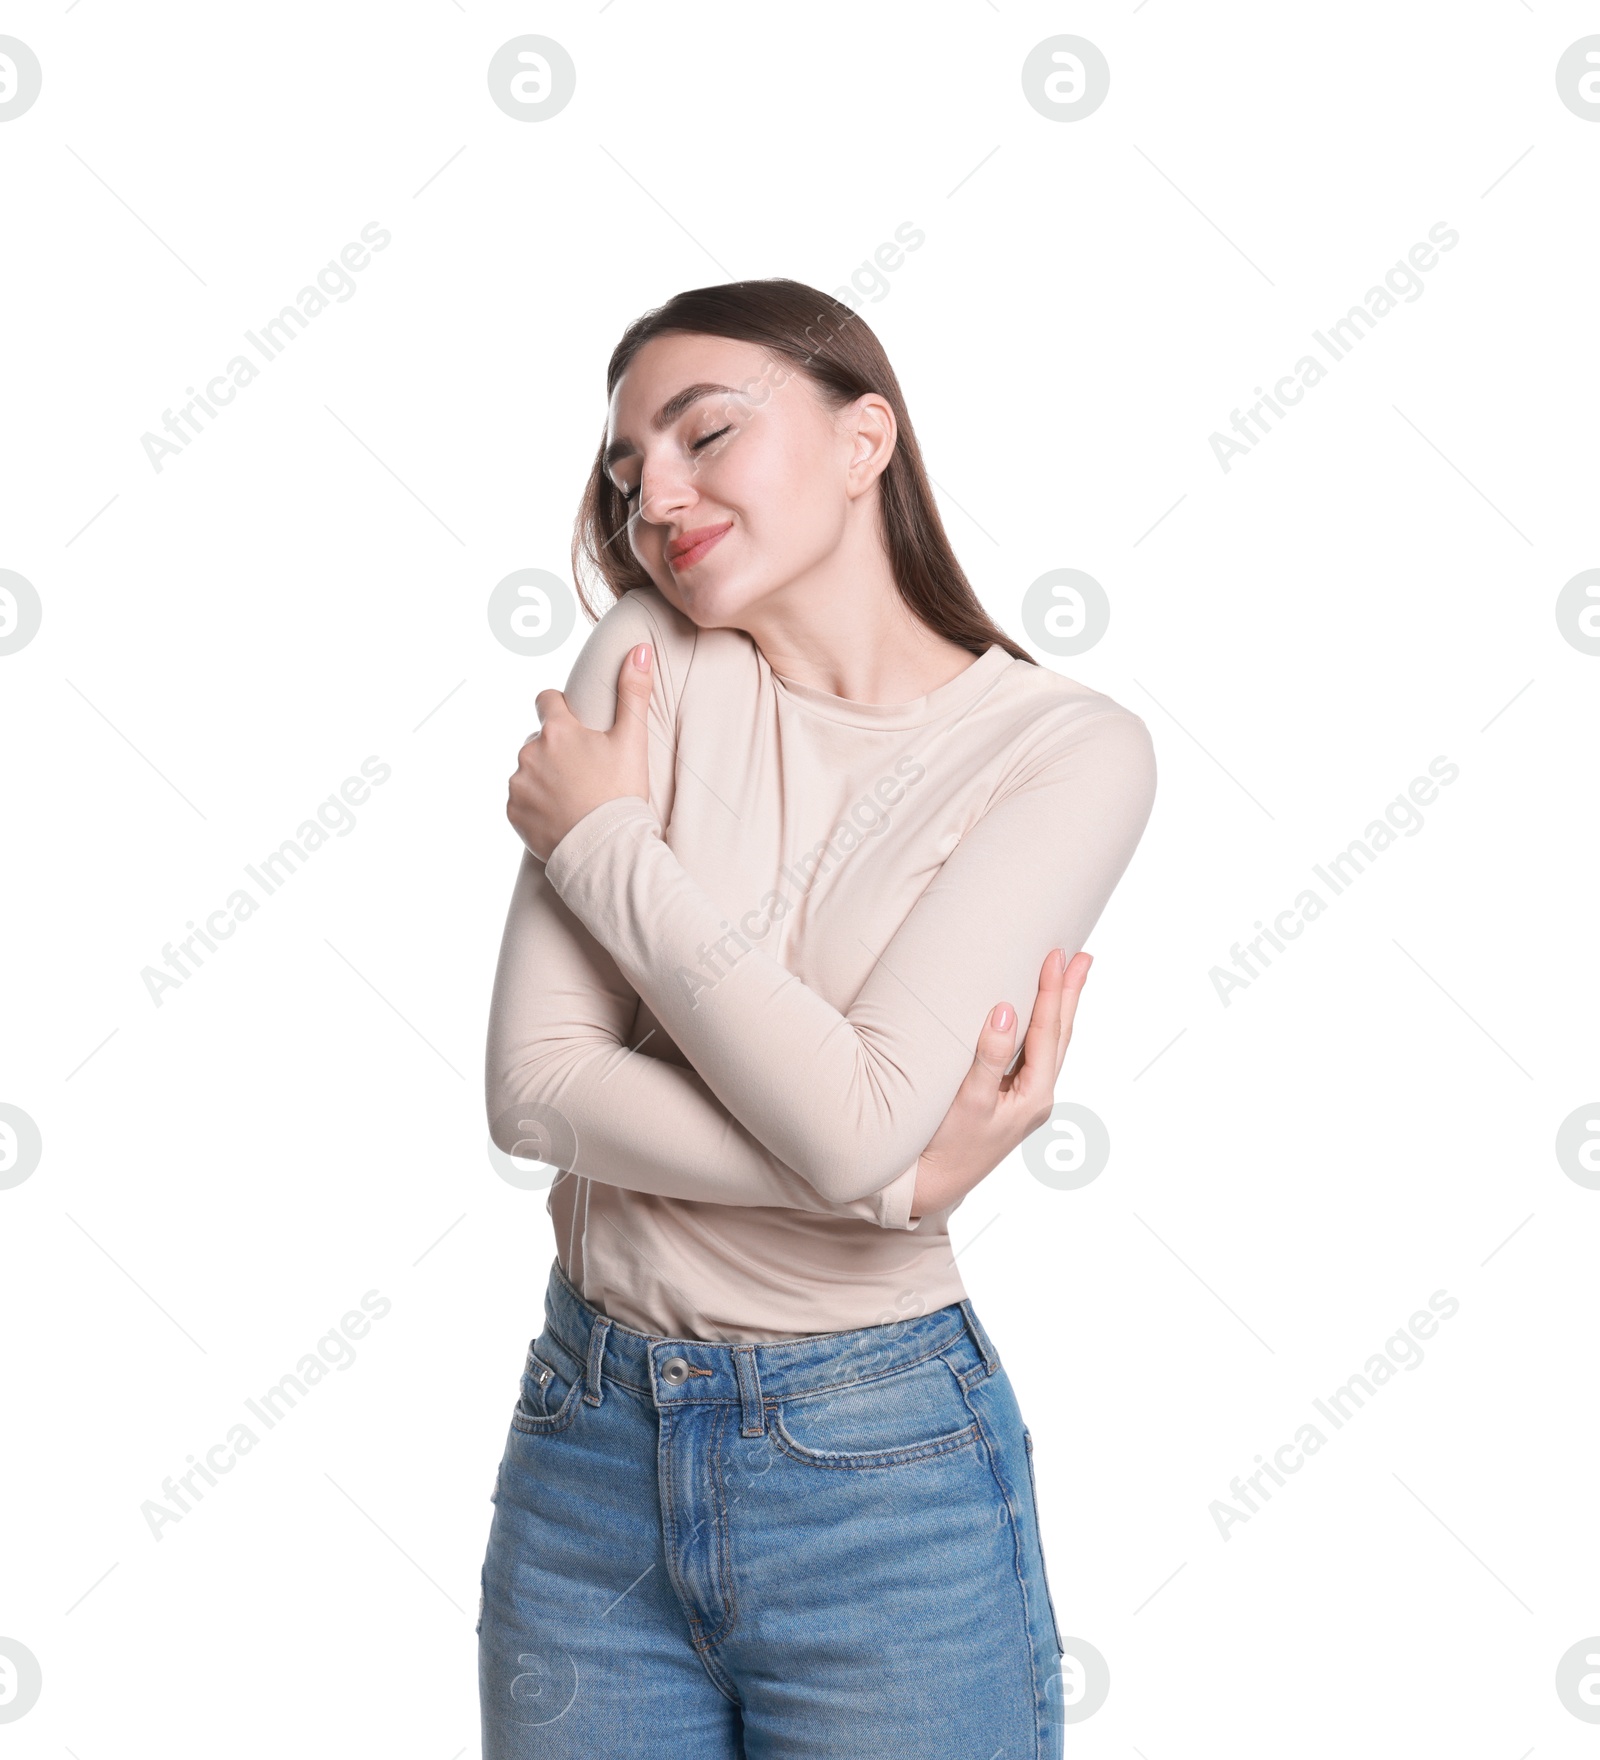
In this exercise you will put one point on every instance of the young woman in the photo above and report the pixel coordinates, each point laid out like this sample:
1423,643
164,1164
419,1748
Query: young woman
801,815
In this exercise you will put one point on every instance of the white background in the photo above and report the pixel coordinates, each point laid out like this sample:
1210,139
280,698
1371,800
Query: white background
224,641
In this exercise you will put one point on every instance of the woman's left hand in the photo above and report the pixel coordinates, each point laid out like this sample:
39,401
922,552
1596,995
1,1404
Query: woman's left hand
566,769
995,1109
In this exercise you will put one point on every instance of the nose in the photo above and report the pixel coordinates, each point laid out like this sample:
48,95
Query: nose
666,487
661,500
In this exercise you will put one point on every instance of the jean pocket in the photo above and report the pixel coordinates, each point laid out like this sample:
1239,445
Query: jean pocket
549,1389
1033,1491
887,1421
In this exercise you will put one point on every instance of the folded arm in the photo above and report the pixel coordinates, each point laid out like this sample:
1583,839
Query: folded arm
849,1099
562,1014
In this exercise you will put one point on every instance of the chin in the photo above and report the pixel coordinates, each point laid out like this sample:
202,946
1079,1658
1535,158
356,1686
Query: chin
710,604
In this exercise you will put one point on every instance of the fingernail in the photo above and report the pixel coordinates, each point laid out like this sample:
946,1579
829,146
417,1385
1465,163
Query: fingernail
641,656
1000,1015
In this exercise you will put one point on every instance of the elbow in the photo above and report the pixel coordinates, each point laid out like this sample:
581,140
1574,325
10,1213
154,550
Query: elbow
524,1119
846,1172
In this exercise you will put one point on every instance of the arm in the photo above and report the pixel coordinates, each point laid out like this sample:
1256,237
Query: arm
562,1015
1035,871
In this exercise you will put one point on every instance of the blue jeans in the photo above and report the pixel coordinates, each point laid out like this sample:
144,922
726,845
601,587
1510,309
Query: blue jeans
824,1547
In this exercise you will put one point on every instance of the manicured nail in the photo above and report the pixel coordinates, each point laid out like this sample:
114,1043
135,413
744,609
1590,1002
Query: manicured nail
1000,1015
641,656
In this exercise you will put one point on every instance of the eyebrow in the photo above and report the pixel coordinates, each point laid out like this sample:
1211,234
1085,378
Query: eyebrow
664,418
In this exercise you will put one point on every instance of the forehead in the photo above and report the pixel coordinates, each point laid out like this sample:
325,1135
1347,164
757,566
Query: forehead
660,381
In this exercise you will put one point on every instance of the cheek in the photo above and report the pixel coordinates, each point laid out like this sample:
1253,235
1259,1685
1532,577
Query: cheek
805,523
786,499
645,549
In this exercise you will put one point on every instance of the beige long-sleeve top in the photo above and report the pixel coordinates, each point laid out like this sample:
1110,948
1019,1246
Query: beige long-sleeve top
741,1009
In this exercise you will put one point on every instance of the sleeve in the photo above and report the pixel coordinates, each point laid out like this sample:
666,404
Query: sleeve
1033,873
561,1015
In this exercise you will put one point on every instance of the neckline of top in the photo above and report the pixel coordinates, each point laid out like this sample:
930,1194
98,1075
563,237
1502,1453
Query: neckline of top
955,693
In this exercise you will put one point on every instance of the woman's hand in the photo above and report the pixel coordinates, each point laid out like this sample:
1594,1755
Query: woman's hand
566,769
993,1111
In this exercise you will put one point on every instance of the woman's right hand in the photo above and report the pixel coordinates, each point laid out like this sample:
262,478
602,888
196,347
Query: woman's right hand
994,1111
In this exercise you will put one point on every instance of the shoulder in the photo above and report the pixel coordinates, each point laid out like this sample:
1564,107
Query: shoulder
642,614
1066,728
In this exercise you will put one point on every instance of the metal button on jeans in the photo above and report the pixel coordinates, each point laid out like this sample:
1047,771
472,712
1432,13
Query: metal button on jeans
675,1371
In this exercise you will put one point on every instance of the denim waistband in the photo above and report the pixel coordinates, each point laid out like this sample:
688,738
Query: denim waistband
675,1370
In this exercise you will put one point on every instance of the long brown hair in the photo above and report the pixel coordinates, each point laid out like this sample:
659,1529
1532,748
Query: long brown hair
836,349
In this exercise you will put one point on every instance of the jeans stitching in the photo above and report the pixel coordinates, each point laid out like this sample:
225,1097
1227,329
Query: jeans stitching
1016,1560
547,1424
543,1422
934,1350
578,1361
867,1461
599,1335
980,1371
669,1509
534,1357
720,1525
867,1380
669,1513
1033,1487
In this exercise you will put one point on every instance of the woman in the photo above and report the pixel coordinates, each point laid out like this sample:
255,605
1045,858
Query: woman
802,812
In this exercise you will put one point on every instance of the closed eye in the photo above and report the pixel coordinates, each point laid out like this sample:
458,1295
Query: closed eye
630,495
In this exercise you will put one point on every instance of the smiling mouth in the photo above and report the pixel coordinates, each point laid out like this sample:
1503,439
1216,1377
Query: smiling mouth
689,554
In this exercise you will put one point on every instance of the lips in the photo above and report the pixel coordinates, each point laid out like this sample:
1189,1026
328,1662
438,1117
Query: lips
684,552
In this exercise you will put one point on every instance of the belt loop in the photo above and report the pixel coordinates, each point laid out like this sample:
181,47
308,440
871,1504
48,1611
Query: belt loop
753,1416
979,1337
597,1345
